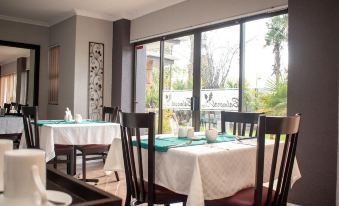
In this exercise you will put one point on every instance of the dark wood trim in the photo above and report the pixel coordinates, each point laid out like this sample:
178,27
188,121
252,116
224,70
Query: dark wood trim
36,49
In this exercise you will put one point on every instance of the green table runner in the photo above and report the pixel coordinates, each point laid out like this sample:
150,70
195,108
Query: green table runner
162,144
85,121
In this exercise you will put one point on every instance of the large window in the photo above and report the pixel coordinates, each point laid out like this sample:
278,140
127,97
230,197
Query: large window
265,86
188,79
219,74
178,83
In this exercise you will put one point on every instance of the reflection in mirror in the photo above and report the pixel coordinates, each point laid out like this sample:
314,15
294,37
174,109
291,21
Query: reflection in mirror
16,76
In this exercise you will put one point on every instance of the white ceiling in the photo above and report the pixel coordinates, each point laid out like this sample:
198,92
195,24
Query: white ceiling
9,54
49,12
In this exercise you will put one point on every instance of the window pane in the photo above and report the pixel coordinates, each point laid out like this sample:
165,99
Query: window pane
219,74
147,78
178,83
266,60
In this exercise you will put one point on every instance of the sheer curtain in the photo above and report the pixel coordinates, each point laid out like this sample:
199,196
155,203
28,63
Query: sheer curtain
7,89
23,89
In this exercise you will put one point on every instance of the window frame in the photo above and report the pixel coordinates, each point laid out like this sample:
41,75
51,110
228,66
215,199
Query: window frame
196,32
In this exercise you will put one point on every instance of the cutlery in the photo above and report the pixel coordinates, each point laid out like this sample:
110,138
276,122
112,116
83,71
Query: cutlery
179,145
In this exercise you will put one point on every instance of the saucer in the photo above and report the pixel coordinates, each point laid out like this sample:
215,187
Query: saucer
197,138
57,196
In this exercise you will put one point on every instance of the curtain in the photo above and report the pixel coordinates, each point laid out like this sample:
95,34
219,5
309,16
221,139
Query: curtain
7,89
23,89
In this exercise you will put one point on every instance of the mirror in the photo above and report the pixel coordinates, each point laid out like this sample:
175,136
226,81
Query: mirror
18,74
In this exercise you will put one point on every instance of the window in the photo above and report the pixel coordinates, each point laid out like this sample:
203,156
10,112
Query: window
265,65
53,90
237,66
7,89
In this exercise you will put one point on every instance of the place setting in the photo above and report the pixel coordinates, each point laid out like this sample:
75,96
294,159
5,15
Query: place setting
23,178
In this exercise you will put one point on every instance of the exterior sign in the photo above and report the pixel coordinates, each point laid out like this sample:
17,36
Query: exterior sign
211,99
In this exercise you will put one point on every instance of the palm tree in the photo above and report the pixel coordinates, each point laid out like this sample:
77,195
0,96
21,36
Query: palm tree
276,36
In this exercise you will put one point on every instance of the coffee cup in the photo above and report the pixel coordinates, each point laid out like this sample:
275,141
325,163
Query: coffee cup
25,177
5,145
190,132
211,135
78,118
182,132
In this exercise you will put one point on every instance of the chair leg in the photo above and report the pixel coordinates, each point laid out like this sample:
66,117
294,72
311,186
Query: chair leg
68,160
74,161
103,158
116,176
55,164
184,203
83,166
166,204
128,200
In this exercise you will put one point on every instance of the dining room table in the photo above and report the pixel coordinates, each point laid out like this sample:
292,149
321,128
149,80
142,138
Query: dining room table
199,169
63,132
11,124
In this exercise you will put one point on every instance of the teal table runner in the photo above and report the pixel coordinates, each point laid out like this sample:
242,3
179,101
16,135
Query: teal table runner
162,144
85,121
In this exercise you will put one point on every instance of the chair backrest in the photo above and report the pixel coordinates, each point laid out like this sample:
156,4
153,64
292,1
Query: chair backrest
287,127
30,119
240,122
131,123
110,114
20,108
7,107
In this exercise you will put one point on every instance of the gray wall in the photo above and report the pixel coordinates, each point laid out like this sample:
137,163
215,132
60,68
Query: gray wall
63,34
193,13
91,30
31,34
313,91
9,68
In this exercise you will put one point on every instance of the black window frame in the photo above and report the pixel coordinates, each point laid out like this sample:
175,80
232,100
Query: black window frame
196,32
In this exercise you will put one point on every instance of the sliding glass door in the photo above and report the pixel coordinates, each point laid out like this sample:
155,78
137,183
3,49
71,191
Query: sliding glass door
188,79
177,83
219,74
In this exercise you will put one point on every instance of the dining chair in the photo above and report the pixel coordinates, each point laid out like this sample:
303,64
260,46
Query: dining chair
7,107
31,129
137,187
98,151
277,191
20,108
239,122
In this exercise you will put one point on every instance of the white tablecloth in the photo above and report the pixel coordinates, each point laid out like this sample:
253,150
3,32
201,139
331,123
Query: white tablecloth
75,134
11,125
204,172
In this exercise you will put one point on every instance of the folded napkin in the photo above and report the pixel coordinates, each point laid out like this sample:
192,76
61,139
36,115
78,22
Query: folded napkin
85,121
163,144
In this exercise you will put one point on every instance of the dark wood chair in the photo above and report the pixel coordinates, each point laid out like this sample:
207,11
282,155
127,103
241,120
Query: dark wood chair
143,191
31,128
260,195
7,107
239,121
20,108
98,151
